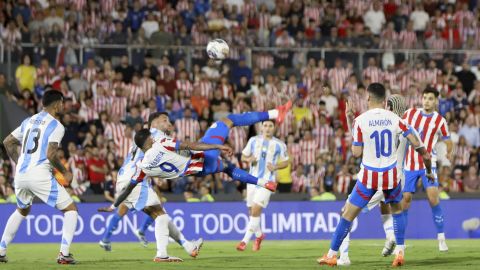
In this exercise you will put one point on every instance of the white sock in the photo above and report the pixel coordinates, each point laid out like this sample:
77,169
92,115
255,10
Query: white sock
441,236
399,248
256,226
331,253
387,221
178,237
11,228
69,226
344,246
251,228
273,114
161,235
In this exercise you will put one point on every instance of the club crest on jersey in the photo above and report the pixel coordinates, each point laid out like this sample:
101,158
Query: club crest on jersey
379,122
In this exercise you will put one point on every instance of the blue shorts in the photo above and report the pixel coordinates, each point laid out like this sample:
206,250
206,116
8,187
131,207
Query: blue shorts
411,178
215,134
361,195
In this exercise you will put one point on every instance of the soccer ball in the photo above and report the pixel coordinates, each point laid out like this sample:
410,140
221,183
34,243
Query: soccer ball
218,49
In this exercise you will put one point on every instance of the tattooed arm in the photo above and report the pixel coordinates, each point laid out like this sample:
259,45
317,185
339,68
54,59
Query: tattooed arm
56,163
13,146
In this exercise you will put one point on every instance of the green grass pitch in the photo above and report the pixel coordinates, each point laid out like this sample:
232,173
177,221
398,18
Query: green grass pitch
364,254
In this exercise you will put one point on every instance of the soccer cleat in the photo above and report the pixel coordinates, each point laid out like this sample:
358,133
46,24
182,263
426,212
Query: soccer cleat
332,261
62,259
282,111
197,246
141,238
343,261
107,246
258,242
442,245
399,260
388,248
3,259
167,259
272,186
241,246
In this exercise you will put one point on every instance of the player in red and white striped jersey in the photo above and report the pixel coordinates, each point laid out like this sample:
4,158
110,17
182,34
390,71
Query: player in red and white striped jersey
375,134
429,124
187,128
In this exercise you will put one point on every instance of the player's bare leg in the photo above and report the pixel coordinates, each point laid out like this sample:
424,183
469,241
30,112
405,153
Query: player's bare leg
399,228
349,214
387,221
111,226
70,217
161,233
434,200
11,229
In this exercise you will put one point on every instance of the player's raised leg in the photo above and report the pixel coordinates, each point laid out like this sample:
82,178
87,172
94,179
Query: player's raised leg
112,225
251,118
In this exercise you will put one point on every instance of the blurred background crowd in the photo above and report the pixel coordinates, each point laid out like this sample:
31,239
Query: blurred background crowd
79,47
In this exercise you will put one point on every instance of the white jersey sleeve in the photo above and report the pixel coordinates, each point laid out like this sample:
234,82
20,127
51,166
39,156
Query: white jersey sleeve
248,150
57,134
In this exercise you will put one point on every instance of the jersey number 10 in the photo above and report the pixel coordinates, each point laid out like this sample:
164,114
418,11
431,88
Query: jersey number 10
383,142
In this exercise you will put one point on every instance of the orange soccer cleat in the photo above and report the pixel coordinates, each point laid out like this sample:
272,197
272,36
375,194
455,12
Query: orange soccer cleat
272,186
258,242
332,261
283,110
241,246
399,260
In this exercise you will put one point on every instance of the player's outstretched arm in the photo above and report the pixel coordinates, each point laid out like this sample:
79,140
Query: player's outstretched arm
196,146
12,145
120,198
56,163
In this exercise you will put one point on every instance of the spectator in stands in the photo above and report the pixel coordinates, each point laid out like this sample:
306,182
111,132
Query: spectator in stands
470,132
188,195
241,70
26,74
375,18
109,191
205,194
97,169
471,181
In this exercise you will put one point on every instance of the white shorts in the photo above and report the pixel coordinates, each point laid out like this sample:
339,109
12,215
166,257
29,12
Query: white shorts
142,196
46,188
257,195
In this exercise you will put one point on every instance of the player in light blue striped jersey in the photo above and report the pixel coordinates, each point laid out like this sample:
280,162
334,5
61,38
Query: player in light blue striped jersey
265,154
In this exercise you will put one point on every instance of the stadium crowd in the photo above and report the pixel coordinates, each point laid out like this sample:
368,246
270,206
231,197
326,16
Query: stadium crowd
111,94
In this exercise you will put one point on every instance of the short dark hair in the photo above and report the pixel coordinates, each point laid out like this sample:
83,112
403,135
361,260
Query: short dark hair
154,116
377,90
51,96
269,120
141,137
432,90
